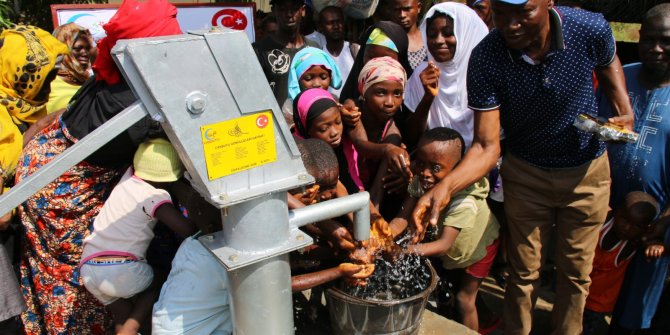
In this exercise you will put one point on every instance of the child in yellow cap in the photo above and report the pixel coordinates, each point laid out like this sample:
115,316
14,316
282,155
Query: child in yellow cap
113,266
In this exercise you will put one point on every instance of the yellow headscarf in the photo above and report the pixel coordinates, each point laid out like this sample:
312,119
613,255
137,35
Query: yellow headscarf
27,55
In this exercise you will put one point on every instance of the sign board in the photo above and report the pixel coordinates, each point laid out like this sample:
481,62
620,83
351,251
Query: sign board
238,144
191,16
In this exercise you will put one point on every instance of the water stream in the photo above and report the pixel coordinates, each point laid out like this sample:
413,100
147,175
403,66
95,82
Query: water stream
397,276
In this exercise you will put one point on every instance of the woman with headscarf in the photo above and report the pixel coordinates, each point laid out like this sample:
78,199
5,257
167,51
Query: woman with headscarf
383,38
436,91
28,56
57,218
76,66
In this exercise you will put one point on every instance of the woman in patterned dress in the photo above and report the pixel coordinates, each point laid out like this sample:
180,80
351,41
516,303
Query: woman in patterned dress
57,218
28,58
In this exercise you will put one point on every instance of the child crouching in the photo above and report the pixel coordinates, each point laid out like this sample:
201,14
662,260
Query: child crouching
113,266
467,239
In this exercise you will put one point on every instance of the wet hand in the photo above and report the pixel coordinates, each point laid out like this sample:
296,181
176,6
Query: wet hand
430,79
362,255
427,210
356,271
342,239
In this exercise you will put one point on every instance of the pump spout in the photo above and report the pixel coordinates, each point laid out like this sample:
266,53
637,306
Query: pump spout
358,203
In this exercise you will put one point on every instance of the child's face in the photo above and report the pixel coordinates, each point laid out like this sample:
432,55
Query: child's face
315,77
327,127
628,225
440,37
433,162
327,181
327,194
384,99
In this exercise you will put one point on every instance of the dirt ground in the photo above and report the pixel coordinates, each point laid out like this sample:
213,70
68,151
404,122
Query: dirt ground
493,296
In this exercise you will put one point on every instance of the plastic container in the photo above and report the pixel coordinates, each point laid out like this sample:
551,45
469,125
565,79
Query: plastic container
352,315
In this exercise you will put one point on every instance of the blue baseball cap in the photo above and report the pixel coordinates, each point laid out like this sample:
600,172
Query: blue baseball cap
513,2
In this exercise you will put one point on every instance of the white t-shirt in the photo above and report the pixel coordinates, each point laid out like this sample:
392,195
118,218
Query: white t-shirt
344,62
318,38
126,221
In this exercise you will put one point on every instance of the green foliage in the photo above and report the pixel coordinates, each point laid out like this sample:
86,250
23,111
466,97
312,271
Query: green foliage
6,13
33,12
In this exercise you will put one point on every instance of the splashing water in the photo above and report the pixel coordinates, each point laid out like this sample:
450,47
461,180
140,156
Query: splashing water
398,278
396,275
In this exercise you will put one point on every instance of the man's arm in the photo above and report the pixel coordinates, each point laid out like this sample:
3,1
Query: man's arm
613,83
478,161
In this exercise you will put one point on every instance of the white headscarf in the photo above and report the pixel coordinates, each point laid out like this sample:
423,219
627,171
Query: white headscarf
450,107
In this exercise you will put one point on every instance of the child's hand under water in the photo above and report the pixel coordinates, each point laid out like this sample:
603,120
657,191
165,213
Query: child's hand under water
357,271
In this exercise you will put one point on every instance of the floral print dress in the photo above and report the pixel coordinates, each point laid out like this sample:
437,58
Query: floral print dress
56,220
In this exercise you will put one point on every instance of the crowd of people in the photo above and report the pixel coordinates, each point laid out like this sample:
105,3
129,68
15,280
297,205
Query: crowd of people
460,124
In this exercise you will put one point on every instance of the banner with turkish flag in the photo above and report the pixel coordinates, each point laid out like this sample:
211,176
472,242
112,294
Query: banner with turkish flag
233,15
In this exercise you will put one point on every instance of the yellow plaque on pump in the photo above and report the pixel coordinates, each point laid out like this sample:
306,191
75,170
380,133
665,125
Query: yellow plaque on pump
238,144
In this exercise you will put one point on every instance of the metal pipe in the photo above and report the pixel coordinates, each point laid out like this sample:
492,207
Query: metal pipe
358,203
261,297
70,157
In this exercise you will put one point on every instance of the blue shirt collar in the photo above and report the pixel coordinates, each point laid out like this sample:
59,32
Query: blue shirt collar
557,39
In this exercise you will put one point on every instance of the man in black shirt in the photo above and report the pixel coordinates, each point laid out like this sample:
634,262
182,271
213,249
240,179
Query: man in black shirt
275,51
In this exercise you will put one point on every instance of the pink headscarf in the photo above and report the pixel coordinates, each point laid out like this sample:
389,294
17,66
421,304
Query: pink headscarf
304,101
380,69
302,105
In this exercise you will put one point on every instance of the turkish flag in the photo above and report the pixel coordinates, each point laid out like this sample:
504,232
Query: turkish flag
230,18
